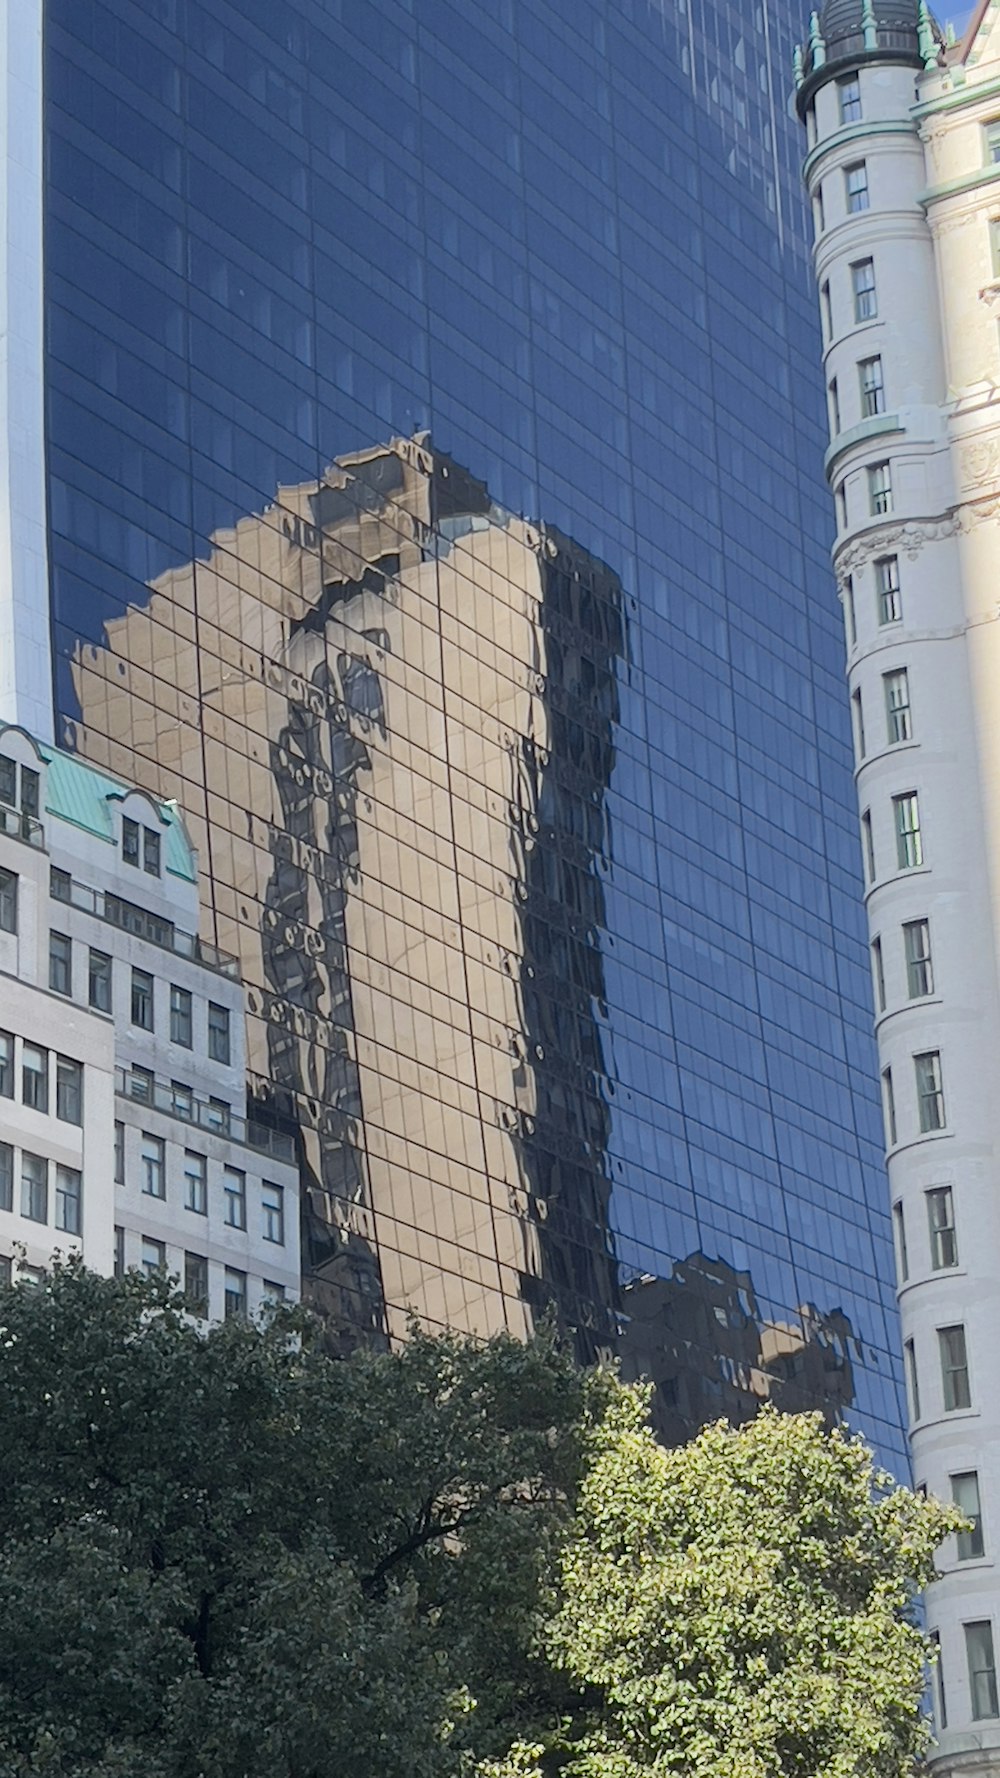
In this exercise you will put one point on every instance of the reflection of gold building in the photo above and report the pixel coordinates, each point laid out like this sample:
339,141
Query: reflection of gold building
387,711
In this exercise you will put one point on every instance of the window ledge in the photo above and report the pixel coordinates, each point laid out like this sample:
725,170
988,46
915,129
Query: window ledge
878,426
880,753
919,1000
915,1141
899,876
929,1278
943,1419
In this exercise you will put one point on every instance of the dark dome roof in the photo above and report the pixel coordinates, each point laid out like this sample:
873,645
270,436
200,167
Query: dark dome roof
842,26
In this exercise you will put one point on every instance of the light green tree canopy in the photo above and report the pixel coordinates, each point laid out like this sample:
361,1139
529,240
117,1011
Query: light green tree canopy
743,1607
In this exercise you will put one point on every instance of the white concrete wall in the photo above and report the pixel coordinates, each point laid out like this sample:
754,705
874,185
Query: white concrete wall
930,335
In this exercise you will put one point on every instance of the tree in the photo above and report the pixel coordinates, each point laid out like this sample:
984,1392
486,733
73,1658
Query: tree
225,1553
742,1607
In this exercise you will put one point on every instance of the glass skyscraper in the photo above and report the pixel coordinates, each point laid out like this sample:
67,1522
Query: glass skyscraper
435,511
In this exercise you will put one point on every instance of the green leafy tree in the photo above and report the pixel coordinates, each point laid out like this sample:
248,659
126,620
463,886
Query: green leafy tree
741,1607
227,1554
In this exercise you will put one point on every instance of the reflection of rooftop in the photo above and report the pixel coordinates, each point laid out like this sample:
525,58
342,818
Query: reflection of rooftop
129,917
211,1115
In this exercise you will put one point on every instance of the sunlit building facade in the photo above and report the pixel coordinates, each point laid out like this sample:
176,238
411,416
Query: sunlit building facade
903,173
434,446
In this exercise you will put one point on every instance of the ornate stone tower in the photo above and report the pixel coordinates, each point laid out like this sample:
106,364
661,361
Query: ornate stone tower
903,172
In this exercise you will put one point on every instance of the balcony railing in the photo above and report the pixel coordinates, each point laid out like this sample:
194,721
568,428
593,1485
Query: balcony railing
211,1115
128,917
20,826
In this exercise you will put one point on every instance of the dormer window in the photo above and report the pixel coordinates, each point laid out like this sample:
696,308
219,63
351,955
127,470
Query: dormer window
29,801
140,846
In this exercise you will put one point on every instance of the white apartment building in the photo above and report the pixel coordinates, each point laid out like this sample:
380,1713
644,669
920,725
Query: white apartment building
903,171
122,1067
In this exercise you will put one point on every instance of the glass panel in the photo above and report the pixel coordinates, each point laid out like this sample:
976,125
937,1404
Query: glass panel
954,1369
982,1671
930,1091
941,1216
917,947
909,847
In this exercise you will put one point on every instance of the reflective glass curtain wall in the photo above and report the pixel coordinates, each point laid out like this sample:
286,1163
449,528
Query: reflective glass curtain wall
435,511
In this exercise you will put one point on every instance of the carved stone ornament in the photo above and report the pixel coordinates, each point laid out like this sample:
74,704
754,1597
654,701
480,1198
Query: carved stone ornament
980,462
907,538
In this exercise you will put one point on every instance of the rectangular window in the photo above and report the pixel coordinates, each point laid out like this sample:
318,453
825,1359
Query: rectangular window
917,948
154,1166
235,1184
850,622
8,782
954,1369
879,488
272,1293
991,143
834,404
826,313
142,999
819,220
849,94
890,609
941,1218
902,1257
930,1091
119,1153
982,1670
8,901
941,1701
180,1017
912,1379
995,249
60,963
154,1256
868,845
857,711
216,1115
273,1206
856,184
236,1293
119,1265
130,841
35,1077
6,1064
31,785
69,1090
840,502
889,1108
6,1176
863,285
99,981
878,975
140,1084
196,1283
182,1100
6,1271
872,388
218,1032
906,816
60,884
69,1200
196,1182
965,1494
151,851
34,1187
898,720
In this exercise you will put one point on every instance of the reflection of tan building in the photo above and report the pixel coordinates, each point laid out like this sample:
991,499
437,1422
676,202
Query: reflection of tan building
352,700
700,1336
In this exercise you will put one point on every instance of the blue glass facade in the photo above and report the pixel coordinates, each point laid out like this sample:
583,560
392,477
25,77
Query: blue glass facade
436,511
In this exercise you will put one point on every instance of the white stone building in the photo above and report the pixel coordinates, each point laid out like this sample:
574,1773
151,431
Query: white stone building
903,170
122,1067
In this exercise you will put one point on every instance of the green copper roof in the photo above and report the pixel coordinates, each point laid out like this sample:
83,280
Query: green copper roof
87,798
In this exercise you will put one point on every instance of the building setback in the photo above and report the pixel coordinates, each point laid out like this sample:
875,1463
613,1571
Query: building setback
433,435
903,172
